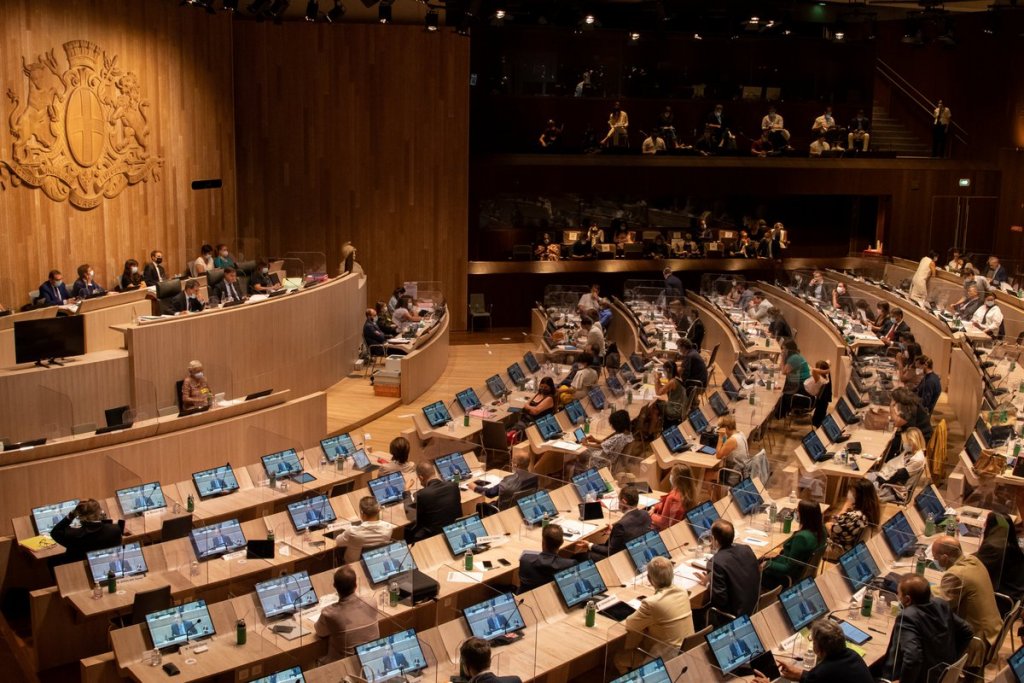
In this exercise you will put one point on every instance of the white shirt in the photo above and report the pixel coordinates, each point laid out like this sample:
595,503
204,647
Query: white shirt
759,311
914,463
813,387
589,302
988,319
652,147
584,379
818,147
768,123
372,534
824,122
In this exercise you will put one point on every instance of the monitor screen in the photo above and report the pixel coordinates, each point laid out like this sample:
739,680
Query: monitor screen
335,447
643,549
589,482
984,432
360,460
548,427
451,466
746,496
536,506
286,594
123,560
858,566
574,411
311,513
292,675
698,421
900,538
614,385
845,411
387,561
637,361
928,502
462,534
579,583
803,603
495,617
674,439
1016,664
180,624
652,672
738,373
468,399
973,448
832,429
701,518
215,482
139,499
852,396
515,373
46,517
627,375
597,398
735,644
388,489
282,464
730,390
718,404
59,337
531,361
217,539
437,414
391,657
815,449
496,386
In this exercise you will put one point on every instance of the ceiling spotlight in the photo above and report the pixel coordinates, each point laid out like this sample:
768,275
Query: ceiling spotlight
754,20
431,21
697,36
499,14
384,13
839,36
230,5
335,13
634,36
312,10
786,32
589,20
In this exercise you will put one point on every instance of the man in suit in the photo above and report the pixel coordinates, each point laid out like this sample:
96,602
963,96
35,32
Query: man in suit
395,661
188,301
373,336
673,285
390,566
183,629
662,622
633,523
229,289
738,649
371,532
694,330
495,624
733,573
154,271
537,569
288,598
836,663
436,505
897,327
475,660
926,635
967,587
54,292
95,532
582,586
507,490
348,622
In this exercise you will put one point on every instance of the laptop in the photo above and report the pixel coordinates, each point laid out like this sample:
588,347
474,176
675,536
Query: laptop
548,427
495,619
217,539
814,448
179,625
581,583
361,461
718,404
614,386
531,362
746,495
854,398
637,361
928,502
389,489
832,430
515,373
643,549
217,481
973,448
311,513
653,671
388,561
464,534
437,414
900,538
698,421
730,390
335,447
803,603
589,482
45,517
597,398
736,647
497,387
286,594
575,412
535,507
468,400
391,657
136,500
123,560
674,440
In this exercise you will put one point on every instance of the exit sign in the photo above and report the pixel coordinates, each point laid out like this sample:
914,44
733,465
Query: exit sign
964,182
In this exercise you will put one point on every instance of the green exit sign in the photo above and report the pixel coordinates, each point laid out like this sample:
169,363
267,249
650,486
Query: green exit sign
964,182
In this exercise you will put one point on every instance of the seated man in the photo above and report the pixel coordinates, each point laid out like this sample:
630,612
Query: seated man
475,660
591,335
653,144
188,301
154,271
773,129
372,532
816,286
664,619
860,132
85,286
778,327
633,523
759,306
507,490
229,289
585,377
930,386
436,505
537,569
54,292
762,146
825,126
836,663
819,146
733,573
989,318
969,305
590,301
375,338
349,622
967,587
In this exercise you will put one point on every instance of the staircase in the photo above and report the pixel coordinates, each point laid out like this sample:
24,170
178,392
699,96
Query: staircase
890,135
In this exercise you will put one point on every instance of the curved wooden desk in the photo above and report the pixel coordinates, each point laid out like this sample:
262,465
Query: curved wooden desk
426,362
718,330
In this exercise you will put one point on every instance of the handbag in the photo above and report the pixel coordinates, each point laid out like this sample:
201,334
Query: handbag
990,464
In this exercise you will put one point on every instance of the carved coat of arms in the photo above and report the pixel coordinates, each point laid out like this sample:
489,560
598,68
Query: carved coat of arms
81,134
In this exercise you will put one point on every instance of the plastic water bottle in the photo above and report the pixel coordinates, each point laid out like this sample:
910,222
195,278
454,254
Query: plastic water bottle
929,525
469,559
810,659
393,593
773,512
591,617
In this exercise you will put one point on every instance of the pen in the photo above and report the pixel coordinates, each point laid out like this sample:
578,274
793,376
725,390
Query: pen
876,630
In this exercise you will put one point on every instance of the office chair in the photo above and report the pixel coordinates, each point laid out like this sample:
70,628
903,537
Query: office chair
694,640
115,416
175,527
147,602
494,440
768,598
214,276
177,394
479,309
246,268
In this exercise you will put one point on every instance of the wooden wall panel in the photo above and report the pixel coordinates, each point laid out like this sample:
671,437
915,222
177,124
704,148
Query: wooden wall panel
357,132
183,61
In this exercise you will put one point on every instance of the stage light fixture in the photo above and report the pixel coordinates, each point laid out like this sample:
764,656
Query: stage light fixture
839,36
634,36
697,36
431,21
312,10
335,13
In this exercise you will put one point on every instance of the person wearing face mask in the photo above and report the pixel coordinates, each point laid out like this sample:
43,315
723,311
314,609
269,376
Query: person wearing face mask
85,286
971,278
223,258
966,585
229,289
925,272
375,338
54,292
989,318
777,325
188,301
841,299
261,282
131,278
154,271
930,386
543,402
836,663
204,261
897,326
195,391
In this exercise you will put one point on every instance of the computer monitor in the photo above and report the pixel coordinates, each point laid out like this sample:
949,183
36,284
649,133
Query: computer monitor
579,583
311,513
814,448
45,517
468,400
845,411
984,432
437,414
735,644
286,594
574,411
718,404
614,385
383,563
282,464
451,466
746,495
135,500
123,560
832,429
217,539
730,390
597,398
697,420
858,566
335,447
388,489
701,517
900,538
643,549
217,481
39,340
853,397
496,386
391,657
738,373
548,427
531,362
652,672
803,603
928,503
1016,664
177,625
627,375
462,534
589,482
515,373
973,448
495,617
292,675
674,439
637,361
360,460
536,506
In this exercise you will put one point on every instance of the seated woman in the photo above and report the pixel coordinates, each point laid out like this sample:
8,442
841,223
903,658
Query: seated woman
260,282
85,286
404,317
1002,556
732,451
131,278
399,462
670,385
796,371
673,505
797,552
223,258
204,261
862,312
841,298
903,470
195,391
861,512
610,452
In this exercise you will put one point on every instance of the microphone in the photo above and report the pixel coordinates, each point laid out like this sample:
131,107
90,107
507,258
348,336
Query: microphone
680,674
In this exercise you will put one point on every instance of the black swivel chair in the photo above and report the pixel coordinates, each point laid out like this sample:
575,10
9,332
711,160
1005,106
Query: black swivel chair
166,290
177,394
148,602
214,276
175,527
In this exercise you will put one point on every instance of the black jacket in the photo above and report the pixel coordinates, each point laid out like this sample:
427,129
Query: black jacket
91,536
153,273
924,637
488,677
537,569
437,505
180,302
634,523
735,580
221,290
846,667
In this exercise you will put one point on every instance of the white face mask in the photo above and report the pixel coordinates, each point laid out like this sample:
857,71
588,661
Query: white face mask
199,375
265,271
919,371
135,269
990,304
91,274
224,254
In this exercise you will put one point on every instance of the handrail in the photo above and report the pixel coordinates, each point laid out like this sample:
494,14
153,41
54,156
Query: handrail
916,96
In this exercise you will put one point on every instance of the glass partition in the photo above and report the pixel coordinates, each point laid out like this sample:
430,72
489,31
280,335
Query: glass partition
314,264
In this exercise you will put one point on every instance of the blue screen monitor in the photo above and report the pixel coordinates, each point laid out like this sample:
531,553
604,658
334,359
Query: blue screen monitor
548,427
286,594
391,657
928,503
738,373
746,496
217,539
900,538
138,499
574,411
718,404
339,446
1016,664
495,617
803,603
614,385
387,561
123,560
698,421
589,482
177,625
653,671
311,513
832,429
437,414
515,373
468,399
597,398
627,375
674,439
217,481
46,517
735,644
701,518
451,466
496,386
462,534
643,549
283,464
814,447
730,390
531,362
579,583
845,412
292,675
536,506
973,448
858,566
388,489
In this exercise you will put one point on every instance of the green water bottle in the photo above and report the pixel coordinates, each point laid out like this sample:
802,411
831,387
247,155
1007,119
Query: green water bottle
929,525
111,582
469,559
240,633
393,593
190,504
465,420
629,397
270,535
591,614
866,604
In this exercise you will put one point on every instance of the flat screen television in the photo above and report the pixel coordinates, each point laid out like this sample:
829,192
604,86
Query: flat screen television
216,481
39,340
217,539
286,594
180,624
45,517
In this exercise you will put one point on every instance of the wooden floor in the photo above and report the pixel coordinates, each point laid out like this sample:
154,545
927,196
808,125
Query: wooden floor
351,403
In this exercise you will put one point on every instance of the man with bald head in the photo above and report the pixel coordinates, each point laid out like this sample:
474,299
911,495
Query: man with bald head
374,337
733,573
436,505
968,588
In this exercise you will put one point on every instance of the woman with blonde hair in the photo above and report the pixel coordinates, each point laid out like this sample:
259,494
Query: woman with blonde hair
673,505
902,471
732,449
